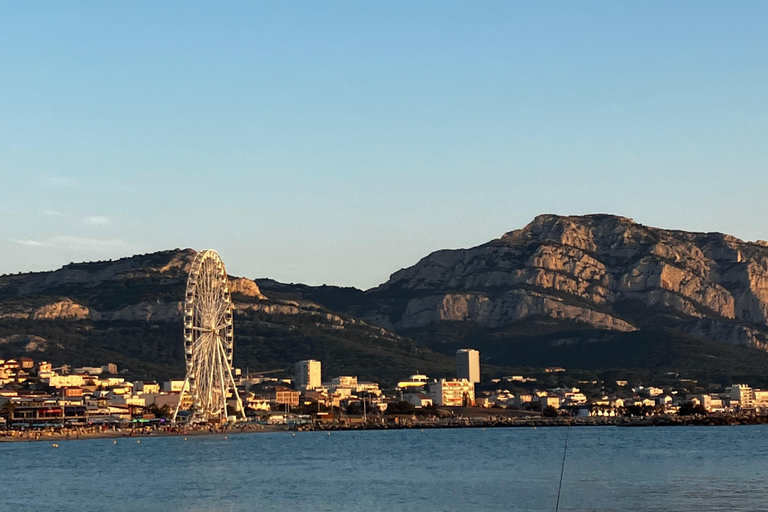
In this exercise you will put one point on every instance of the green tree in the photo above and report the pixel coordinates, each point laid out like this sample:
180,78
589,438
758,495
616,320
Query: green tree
689,409
7,411
400,408
550,412
159,412
355,409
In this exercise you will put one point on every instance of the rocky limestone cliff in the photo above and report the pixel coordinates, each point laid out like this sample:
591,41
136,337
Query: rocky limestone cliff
25,343
602,271
110,290
65,309
167,263
130,311
247,287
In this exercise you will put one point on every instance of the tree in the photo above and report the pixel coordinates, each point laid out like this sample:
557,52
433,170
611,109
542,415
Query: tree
7,411
550,412
533,406
355,409
689,409
400,408
160,412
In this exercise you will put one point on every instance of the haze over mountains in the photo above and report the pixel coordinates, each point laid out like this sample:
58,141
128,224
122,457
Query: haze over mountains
595,292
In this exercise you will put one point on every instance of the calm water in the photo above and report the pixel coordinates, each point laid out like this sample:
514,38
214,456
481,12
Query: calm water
608,468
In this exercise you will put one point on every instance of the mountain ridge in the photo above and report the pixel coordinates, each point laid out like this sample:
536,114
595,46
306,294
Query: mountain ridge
561,281
129,311
589,268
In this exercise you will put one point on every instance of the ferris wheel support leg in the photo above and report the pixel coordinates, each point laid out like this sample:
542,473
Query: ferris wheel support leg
181,398
240,408
223,363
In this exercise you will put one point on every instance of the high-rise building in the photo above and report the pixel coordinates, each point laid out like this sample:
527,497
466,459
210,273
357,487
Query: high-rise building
308,375
468,364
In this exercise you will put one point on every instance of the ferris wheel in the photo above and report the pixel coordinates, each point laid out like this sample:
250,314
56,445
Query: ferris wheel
208,342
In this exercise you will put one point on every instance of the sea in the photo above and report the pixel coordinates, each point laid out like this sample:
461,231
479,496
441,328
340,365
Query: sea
604,469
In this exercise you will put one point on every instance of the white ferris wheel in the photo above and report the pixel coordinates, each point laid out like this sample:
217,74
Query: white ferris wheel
209,383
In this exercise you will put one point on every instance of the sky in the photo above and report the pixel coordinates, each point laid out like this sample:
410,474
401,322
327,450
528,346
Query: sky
337,142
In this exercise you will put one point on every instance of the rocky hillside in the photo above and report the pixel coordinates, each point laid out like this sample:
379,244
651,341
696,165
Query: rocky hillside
598,271
129,312
594,291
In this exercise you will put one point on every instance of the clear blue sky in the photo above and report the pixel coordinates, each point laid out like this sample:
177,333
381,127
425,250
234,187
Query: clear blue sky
337,142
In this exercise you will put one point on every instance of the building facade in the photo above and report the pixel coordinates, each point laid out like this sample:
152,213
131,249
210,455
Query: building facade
452,393
308,375
468,365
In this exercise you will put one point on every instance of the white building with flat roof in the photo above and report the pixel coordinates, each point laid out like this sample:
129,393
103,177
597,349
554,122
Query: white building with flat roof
415,381
62,381
308,375
452,393
468,364
344,382
743,393
175,386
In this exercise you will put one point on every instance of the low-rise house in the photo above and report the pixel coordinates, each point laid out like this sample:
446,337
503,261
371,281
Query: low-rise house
282,395
523,400
256,402
125,399
549,401
146,387
418,400
175,386
71,392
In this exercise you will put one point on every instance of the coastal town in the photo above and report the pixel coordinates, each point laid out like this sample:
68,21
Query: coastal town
36,398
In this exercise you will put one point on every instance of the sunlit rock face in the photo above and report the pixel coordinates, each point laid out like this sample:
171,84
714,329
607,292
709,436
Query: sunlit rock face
602,271
144,288
245,287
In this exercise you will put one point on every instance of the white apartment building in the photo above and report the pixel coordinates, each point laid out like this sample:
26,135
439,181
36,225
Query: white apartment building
368,387
468,365
761,397
743,393
308,375
146,387
61,381
452,393
344,382
711,402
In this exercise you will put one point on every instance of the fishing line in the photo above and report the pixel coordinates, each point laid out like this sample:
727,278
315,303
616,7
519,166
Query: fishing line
562,467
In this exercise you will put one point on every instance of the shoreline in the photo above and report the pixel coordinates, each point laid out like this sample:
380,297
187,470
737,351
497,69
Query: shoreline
129,434
399,424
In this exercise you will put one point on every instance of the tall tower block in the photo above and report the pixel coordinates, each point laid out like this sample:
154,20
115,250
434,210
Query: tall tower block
307,375
468,364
